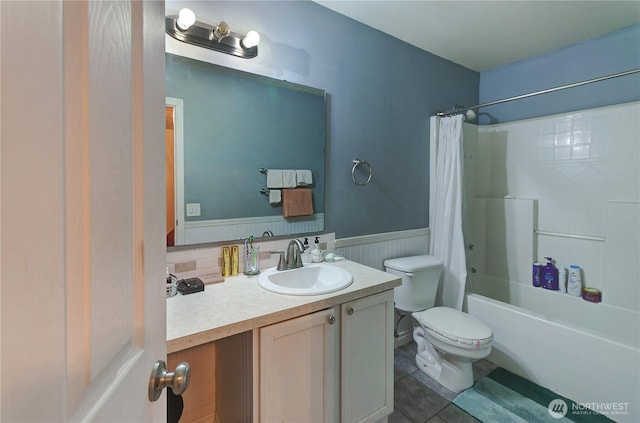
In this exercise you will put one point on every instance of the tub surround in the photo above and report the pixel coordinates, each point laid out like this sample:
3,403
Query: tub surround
589,218
239,304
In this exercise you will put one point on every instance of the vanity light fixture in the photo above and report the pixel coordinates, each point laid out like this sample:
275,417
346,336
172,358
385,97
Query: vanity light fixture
184,27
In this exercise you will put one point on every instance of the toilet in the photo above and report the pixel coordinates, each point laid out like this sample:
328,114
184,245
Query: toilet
448,339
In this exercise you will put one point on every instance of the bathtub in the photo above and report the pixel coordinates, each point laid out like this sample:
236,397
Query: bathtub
580,354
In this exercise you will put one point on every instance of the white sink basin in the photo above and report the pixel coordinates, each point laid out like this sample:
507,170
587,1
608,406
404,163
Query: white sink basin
311,279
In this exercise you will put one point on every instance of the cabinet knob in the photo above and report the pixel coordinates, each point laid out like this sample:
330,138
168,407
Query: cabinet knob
332,319
349,310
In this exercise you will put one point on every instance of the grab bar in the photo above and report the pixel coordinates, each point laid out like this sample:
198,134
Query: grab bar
572,236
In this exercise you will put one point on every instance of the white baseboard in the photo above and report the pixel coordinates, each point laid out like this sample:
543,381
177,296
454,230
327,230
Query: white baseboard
403,338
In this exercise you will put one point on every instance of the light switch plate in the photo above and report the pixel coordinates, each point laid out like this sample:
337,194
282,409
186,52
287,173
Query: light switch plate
193,209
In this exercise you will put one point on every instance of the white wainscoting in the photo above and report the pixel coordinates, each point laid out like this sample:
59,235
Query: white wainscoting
373,250
200,231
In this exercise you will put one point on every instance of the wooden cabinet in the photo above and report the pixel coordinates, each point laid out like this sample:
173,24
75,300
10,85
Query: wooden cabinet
299,369
366,359
330,366
335,365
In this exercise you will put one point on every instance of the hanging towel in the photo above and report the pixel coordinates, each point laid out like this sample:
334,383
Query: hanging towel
297,202
275,196
304,177
289,178
274,178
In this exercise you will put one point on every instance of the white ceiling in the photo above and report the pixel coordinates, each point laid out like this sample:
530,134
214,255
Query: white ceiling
483,35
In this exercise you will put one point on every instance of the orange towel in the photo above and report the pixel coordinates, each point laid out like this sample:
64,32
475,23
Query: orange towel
297,202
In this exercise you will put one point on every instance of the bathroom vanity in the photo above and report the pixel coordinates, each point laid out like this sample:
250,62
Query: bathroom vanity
258,356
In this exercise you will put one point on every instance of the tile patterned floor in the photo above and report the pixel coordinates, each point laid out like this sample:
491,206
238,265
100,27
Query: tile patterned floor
420,399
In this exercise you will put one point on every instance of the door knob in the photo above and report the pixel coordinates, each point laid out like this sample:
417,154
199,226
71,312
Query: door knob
160,378
349,310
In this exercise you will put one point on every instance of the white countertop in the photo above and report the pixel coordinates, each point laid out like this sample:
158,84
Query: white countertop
239,304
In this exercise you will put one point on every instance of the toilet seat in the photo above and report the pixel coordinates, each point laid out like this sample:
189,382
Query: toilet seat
455,327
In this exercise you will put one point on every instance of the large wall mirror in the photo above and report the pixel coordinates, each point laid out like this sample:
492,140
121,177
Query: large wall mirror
223,127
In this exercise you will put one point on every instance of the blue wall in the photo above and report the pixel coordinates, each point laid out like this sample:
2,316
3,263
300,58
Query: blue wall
613,53
381,92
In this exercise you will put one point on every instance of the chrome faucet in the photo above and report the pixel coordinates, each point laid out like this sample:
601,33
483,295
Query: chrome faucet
294,260
267,233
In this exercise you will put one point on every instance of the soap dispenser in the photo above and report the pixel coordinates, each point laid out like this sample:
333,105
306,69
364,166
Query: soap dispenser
316,254
550,275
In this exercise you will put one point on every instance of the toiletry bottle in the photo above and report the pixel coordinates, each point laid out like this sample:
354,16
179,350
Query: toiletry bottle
316,254
562,279
574,286
306,253
537,274
550,275
226,262
235,260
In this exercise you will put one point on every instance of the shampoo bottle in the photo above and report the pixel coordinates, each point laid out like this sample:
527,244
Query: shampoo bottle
574,286
562,279
537,274
550,275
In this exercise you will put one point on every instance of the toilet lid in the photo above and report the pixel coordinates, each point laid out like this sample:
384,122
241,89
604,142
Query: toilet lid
413,263
455,325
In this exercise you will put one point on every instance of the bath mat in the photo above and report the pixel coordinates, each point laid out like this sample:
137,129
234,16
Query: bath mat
502,396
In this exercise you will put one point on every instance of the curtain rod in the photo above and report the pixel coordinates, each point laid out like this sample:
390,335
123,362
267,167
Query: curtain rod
549,90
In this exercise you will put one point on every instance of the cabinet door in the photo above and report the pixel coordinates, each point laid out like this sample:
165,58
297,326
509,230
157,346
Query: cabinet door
367,358
299,369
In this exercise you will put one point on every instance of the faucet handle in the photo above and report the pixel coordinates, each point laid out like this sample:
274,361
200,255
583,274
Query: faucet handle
299,259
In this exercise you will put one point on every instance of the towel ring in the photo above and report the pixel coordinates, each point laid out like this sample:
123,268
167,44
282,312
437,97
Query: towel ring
356,163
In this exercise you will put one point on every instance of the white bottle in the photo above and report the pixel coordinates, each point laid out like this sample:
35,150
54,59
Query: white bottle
574,286
562,279
316,254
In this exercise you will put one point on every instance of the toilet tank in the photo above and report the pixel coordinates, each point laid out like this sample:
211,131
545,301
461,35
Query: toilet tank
420,278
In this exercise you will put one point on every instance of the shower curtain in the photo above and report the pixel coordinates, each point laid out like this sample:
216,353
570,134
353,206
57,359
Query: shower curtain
445,200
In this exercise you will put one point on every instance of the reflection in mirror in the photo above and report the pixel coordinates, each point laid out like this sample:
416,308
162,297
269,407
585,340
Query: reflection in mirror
223,127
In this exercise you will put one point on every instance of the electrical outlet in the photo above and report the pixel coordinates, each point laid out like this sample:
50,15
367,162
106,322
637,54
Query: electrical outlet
193,209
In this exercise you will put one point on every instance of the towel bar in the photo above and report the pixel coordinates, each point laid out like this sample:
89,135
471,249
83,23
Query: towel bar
356,163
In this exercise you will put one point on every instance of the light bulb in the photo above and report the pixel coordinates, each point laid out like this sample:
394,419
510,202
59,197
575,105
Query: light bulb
252,39
221,31
186,18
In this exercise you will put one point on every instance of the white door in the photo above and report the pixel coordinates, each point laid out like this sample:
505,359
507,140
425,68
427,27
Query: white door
82,210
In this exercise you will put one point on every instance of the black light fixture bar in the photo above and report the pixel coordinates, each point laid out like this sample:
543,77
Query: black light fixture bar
200,34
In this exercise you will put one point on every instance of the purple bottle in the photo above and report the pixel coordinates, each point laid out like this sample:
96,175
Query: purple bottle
550,275
537,274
